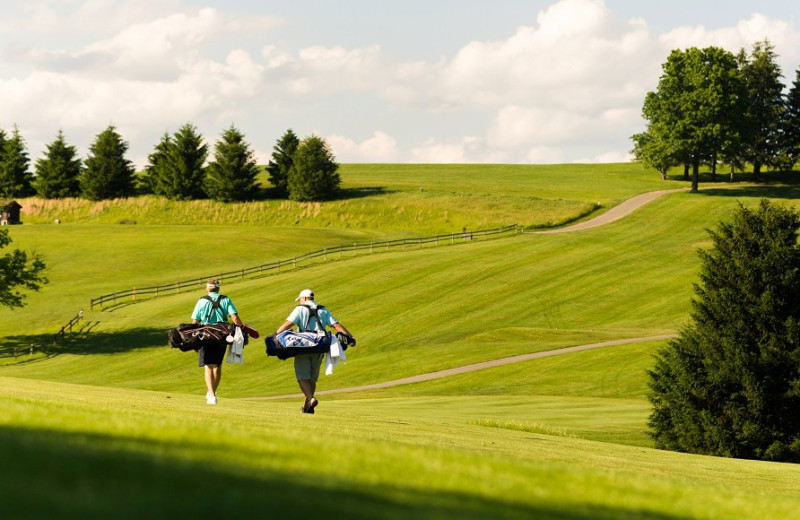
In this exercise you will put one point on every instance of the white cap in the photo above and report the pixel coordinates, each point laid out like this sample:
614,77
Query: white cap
305,293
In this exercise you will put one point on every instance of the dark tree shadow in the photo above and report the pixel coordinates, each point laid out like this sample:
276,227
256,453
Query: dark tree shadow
85,475
770,191
83,341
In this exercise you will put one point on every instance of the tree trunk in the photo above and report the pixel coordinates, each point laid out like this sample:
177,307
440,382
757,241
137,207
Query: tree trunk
714,167
757,170
686,172
695,175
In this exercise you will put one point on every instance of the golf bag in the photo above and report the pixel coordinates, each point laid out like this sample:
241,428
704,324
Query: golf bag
190,336
288,344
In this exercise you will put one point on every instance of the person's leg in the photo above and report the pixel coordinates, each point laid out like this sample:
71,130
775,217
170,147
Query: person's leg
217,373
209,373
307,387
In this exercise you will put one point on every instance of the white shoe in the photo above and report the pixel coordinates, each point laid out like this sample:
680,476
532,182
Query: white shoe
211,399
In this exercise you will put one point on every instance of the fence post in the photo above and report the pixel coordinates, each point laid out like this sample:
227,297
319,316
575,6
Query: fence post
30,355
294,262
133,296
156,291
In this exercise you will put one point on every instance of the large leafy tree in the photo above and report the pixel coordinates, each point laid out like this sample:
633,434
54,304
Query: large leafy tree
282,162
176,168
232,174
17,271
695,114
108,173
58,172
15,177
314,174
653,151
765,106
729,385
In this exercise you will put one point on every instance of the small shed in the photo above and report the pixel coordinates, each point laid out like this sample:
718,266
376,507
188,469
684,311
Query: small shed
9,212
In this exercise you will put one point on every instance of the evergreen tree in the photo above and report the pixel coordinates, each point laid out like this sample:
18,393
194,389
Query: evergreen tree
282,162
790,138
765,106
314,175
58,172
232,174
108,173
177,166
729,385
156,161
15,179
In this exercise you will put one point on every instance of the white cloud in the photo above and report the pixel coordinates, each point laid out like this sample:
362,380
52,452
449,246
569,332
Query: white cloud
782,34
379,148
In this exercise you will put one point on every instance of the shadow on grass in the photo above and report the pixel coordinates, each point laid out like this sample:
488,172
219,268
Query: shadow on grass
771,191
55,474
83,342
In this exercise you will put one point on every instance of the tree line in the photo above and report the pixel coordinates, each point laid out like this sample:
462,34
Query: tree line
713,107
178,168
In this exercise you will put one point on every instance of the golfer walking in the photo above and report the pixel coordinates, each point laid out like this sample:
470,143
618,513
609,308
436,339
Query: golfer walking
211,309
308,316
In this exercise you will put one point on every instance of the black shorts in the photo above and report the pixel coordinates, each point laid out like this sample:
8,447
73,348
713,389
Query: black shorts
211,355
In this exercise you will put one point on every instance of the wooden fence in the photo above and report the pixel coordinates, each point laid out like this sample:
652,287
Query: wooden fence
259,270
68,327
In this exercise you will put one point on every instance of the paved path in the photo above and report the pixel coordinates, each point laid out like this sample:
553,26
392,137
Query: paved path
615,213
470,368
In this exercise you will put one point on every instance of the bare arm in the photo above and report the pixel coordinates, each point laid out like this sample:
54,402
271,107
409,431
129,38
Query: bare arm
236,319
340,328
286,326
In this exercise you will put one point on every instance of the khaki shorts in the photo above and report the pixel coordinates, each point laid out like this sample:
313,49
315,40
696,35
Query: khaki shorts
306,366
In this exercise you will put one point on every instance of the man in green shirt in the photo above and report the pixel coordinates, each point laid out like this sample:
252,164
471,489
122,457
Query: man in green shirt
210,310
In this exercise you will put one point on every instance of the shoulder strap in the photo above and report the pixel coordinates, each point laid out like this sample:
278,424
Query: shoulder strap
312,313
214,304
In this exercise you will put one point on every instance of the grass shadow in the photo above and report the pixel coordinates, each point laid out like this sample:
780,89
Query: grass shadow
770,191
84,476
83,341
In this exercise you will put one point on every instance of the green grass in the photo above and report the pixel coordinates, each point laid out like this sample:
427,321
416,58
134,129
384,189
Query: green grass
114,414
83,452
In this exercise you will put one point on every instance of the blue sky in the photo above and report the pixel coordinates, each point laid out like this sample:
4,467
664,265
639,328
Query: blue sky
438,81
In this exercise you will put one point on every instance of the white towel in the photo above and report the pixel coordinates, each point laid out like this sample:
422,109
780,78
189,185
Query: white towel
334,356
237,348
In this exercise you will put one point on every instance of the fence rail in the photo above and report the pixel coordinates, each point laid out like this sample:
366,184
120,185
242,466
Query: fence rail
68,327
194,282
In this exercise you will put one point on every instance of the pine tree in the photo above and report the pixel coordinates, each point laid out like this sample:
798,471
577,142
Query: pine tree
232,174
790,139
282,162
108,173
729,385
15,179
58,172
177,166
765,106
314,174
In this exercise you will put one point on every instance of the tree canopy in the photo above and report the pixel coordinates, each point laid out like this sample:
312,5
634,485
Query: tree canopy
58,172
17,271
282,162
176,167
15,178
232,174
713,107
108,173
314,174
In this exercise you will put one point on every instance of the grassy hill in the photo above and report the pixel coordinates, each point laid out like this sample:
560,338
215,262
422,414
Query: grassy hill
116,414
